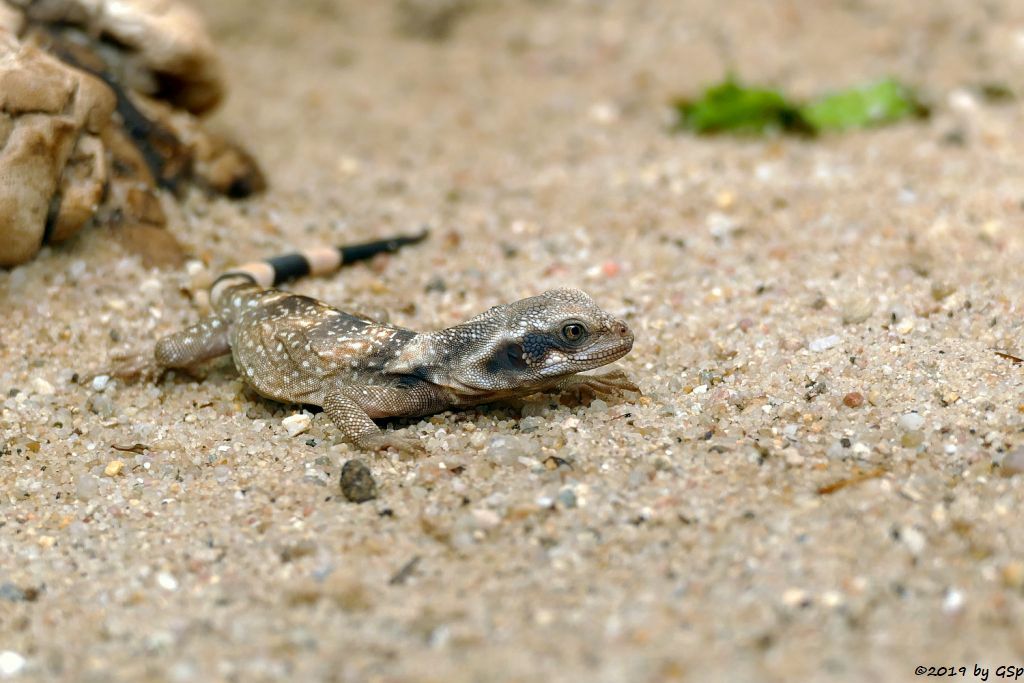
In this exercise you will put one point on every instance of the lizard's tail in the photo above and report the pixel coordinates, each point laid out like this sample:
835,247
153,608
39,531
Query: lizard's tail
321,261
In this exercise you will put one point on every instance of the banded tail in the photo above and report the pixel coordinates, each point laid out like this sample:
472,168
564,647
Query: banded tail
320,261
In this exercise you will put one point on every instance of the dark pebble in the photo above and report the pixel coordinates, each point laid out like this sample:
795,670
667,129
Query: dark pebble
357,483
12,593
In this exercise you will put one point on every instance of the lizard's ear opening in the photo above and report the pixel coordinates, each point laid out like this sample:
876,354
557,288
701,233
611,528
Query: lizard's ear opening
505,359
515,356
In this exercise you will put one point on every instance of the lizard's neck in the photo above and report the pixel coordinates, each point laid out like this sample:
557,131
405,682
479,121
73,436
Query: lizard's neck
460,358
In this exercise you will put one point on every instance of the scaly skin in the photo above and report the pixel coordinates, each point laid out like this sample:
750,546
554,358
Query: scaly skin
294,349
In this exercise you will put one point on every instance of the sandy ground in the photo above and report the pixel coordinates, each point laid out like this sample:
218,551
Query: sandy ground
738,522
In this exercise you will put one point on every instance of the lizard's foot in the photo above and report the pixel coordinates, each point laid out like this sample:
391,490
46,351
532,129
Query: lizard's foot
130,367
612,382
381,440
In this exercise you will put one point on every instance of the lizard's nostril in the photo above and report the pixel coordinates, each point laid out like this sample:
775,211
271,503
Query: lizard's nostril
620,329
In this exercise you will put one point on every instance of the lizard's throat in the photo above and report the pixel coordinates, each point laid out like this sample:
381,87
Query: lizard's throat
459,359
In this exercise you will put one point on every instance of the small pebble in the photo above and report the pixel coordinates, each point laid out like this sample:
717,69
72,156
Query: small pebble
167,581
504,450
911,422
1013,463
11,593
832,599
953,602
86,487
1013,575
11,663
100,405
42,387
913,540
824,343
857,310
357,482
854,399
912,439
113,468
796,597
603,112
297,424
553,462
905,326
725,199
611,269
941,289
567,498
485,519
99,382
152,286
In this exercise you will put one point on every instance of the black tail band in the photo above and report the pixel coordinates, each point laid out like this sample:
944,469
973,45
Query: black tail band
288,267
361,252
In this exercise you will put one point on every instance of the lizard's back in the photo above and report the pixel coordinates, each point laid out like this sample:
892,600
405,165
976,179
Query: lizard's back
320,345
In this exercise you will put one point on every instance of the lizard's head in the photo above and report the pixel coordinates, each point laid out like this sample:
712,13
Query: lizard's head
520,347
558,333
517,348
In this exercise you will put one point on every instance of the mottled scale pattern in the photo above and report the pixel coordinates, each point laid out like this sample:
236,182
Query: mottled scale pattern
292,348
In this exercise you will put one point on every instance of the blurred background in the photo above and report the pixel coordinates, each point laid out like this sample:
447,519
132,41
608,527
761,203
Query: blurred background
822,480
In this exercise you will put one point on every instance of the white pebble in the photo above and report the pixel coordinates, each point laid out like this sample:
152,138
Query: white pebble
167,581
953,602
485,519
905,326
298,423
832,599
42,387
911,422
913,539
824,343
795,597
603,113
99,382
962,100
151,286
11,663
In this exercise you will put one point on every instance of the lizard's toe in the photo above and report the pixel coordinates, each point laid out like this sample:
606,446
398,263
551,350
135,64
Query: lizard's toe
611,382
615,380
129,366
380,441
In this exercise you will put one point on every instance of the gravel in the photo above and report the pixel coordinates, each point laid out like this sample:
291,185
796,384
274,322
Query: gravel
715,528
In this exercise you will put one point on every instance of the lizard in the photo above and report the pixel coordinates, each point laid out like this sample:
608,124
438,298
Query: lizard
296,349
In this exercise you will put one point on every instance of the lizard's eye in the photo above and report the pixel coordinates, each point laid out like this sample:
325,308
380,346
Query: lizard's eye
574,333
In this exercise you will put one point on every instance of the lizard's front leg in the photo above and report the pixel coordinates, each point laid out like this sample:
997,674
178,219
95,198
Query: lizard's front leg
185,349
351,417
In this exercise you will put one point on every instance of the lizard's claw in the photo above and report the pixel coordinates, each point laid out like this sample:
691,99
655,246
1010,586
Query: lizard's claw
129,366
381,440
611,382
